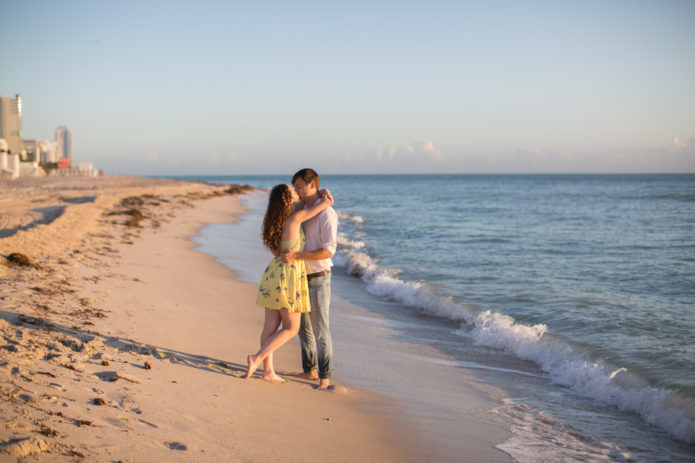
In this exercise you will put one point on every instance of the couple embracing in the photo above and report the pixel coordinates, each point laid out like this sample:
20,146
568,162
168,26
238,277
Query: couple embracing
300,229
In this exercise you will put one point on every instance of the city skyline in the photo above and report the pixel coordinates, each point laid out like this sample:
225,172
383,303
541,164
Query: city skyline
464,87
30,149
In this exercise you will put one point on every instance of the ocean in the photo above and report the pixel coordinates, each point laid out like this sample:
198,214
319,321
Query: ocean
574,294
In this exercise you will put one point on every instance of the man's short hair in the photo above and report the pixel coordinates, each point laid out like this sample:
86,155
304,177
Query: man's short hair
308,175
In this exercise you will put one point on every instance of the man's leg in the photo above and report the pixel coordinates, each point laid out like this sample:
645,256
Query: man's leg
320,294
308,344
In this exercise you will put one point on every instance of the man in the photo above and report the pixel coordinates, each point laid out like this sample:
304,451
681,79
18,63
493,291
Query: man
321,236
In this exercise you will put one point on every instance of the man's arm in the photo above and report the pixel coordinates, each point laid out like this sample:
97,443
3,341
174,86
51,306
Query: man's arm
328,225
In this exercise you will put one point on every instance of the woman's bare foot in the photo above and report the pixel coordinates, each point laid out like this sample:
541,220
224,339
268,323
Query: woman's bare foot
273,378
252,366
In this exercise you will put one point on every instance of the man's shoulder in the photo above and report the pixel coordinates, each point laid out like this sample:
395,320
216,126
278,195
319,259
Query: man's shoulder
328,214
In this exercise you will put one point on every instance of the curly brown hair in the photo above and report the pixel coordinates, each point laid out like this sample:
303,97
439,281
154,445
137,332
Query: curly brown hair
279,209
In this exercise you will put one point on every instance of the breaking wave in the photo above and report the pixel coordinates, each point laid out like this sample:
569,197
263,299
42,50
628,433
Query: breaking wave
564,364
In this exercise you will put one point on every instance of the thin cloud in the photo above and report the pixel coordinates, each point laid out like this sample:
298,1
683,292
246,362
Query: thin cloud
679,146
542,154
679,156
424,150
433,152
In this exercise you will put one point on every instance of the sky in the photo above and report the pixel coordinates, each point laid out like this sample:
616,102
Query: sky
193,88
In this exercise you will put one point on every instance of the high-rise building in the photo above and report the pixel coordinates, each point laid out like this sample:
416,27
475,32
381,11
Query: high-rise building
11,123
64,139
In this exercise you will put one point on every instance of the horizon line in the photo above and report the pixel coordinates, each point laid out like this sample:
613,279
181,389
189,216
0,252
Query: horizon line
415,174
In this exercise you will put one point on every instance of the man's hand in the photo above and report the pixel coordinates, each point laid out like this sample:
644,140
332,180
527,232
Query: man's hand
288,256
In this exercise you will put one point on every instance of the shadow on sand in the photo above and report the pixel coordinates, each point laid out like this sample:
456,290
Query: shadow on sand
78,337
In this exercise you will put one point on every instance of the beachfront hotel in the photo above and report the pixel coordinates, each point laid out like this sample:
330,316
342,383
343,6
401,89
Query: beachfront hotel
11,123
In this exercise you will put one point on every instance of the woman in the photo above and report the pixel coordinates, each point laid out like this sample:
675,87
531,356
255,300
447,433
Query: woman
283,290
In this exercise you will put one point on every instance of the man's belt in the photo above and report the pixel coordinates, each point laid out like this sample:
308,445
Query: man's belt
318,274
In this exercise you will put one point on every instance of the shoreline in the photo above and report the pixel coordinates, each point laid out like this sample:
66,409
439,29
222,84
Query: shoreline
567,384
449,407
118,324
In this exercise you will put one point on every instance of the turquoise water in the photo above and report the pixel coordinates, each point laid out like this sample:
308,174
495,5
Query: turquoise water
591,278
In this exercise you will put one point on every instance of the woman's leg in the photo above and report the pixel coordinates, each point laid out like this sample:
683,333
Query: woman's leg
290,328
270,327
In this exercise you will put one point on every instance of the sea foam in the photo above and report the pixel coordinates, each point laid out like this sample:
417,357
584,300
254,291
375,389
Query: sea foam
564,364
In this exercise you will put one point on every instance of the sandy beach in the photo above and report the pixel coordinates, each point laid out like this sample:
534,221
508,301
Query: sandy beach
120,343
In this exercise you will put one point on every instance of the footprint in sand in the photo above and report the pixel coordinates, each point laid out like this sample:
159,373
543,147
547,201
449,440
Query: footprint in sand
337,389
28,397
176,445
107,375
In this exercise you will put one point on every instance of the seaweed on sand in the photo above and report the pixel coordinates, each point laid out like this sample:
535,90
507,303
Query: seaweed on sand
20,260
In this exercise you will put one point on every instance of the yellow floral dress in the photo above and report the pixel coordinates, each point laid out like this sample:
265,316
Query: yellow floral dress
284,286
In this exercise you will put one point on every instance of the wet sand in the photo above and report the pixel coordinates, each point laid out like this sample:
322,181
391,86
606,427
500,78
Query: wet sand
377,346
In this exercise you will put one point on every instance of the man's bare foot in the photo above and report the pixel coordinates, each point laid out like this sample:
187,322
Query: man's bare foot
252,366
308,375
273,378
324,384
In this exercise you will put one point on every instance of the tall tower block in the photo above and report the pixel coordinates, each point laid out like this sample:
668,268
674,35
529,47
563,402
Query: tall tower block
64,139
11,123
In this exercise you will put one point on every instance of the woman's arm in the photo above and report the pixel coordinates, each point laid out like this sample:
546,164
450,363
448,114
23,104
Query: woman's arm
326,193
305,214
298,206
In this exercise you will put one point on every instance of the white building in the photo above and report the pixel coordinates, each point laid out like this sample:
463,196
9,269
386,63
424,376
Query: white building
87,168
49,151
9,163
30,157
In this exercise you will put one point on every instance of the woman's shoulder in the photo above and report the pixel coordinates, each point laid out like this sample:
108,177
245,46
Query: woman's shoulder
294,239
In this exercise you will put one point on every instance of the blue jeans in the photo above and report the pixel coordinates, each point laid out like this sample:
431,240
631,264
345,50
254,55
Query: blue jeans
314,332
